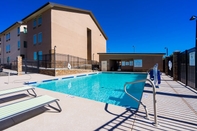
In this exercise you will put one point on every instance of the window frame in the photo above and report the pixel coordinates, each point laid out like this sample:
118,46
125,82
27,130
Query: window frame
18,31
40,20
34,23
19,45
35,55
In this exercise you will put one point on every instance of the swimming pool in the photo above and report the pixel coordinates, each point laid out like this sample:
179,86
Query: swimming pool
103,87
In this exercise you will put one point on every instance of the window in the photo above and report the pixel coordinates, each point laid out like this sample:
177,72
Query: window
25,30
18,31
7,48
25,44
34,23
35,55
39,20
7,36
40,55
8,59
0,51
34,39
19,45
40,37
0,60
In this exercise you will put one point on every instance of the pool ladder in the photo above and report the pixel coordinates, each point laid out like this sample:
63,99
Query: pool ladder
154,98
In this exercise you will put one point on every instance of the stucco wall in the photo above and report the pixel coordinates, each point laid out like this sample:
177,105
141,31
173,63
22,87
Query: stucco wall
13,42
148,61
69,34
45,28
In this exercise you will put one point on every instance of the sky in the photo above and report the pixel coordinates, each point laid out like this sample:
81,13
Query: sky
132,26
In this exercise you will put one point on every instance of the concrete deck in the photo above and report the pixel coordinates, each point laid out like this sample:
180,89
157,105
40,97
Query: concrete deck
176,110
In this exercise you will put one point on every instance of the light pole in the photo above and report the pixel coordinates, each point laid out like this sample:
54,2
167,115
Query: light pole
195,18
133,48
93,57
54,57
166,51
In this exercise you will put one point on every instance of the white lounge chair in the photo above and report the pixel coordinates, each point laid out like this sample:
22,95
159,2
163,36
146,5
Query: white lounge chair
14,109
20,89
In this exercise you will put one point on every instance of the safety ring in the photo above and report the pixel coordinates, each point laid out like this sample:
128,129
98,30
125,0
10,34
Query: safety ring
69,66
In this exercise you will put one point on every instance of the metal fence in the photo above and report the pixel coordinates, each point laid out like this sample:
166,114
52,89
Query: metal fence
58,61
187,67
63,60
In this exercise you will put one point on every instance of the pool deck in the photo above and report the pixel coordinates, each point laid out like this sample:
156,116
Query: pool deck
176,110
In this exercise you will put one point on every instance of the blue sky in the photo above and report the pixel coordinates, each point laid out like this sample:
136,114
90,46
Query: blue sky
146,26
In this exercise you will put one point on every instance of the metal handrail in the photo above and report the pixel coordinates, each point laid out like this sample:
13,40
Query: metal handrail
154,98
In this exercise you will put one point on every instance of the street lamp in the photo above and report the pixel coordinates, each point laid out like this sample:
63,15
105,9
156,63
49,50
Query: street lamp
133,48
166,51
54,57
195,18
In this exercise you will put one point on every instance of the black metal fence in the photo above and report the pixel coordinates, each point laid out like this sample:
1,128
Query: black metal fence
58,61
63,60
187,67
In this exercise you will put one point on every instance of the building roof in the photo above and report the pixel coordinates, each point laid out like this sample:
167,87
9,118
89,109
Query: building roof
51,5
11,27
131,53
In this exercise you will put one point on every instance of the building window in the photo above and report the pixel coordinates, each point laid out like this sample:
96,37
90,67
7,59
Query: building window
18,31
40,55
0,51
8,59
34,39
34,23
7,48
25,30
19,45
35,55
0,60
7,36
40,37
25,44
39,20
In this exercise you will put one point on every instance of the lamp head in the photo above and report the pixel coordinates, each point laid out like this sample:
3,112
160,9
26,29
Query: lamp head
193,18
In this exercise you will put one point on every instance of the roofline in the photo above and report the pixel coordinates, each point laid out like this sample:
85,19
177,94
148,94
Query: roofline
51,5
13,25
131,53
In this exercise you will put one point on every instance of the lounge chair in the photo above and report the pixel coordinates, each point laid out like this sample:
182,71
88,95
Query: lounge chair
15,90
11,110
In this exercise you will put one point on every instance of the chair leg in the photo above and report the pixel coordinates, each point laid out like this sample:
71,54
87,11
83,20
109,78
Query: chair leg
34,93
59,110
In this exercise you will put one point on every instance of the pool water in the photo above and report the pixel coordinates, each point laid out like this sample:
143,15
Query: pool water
103,87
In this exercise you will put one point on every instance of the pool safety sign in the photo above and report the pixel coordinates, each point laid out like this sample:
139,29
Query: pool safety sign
192,59
138,63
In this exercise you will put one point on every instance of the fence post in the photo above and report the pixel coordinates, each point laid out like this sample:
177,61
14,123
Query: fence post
26,65
19,65
37,62
175,65
186,66
166,65
78,61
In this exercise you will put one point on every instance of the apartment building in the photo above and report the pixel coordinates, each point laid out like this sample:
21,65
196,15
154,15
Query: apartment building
13,43
68,30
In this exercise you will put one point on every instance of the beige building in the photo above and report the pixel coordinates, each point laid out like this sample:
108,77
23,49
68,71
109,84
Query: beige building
136,62
69,30
13,43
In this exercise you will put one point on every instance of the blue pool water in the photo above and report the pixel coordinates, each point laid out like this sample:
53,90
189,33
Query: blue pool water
103,87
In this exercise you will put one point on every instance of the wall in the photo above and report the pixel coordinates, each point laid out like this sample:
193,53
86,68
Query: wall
148,60
45,28
62,72
69,34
